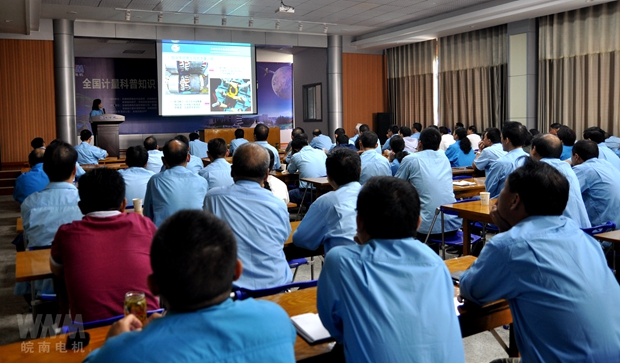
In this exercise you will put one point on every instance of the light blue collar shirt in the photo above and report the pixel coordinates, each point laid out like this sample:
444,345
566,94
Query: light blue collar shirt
195,164
416,135
276,163
172,190
390,300
499,171
575,208
430,173
606,153
386,146
309,162
217,174
563,298
488,155
330,220
88,154
35,180
155,163
457,157
613,142
321,142
600,191
234,144
198,148
261,225
374,164
136,179
567,152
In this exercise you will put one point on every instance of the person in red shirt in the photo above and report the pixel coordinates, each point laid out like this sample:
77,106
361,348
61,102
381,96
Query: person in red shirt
107,253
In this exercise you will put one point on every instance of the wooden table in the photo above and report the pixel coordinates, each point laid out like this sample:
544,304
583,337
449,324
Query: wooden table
287,177
321,184
32,265
463,171
612,236
289,240
112,160
468,191
19,227
117,166
470,211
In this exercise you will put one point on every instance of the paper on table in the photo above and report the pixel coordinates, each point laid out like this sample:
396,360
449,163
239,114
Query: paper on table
310,328
463,183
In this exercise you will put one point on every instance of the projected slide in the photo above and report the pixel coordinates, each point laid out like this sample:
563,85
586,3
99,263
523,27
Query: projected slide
199,78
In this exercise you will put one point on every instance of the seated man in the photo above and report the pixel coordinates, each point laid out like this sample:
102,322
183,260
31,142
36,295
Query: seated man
35,180
275,185
259,219
373,164
365,128
598,136
194,260
514,136
548,148
136,177
217,173
417,129
390,298
155,163
238,141
472,135
342,141
563,297
38,143
393,130
411,143
309,162
194,164
554,128
331,218
106,254
490,149
175,188
568,137
294,133
446,138
320,141
197,147
88,154
261,133
429,172
598,182
356,133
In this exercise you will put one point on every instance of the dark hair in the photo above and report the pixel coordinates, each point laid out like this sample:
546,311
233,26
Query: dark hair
217,147
444,130
272,160
36,156
250,162
566,135
459,124
555,126
183,139
394,129
586,149
494,134
430,139
37,142
343,166
101,189
299,142
173,154
261,132
59,160
473,129
363,128
316,132
417,126
339,131
465,143
239,134
527,135
136,156
405,131
342,139
398,147
297,131
534,132
194,136
541,187
595,134
547,146
369,139
513,130
434,127
85,135
150,143
193,257
96,103
389,207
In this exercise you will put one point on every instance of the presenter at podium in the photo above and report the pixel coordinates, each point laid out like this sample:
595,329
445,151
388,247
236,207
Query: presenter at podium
97,110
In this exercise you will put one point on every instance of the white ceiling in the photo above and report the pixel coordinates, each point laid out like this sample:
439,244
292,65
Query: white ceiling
373,24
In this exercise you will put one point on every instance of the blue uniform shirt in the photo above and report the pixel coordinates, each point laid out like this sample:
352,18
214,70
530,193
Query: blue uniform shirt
430,173
600,191
501,168
309,162
195,164
613,142
35,180
457,157
321,142
172,190
198,148
374,164
155,163
88,154
605,153
276,162
261,225
136,179
387,146
330,220
563,298
575,208
390,301
416,135
234,144
488,155
567,152
394,165
217,174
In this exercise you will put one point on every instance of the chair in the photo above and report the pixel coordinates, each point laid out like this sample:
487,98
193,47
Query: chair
77,325
242,293
460,177
294,264
457,239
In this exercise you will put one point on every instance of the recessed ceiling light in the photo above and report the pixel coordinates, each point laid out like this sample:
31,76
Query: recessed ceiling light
72,12
8,21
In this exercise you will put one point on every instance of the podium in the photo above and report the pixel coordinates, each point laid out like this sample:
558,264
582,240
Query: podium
105,129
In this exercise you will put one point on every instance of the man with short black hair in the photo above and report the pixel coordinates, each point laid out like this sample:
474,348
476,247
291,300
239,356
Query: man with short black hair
194,261
259,219
599,183
568,137
411,143
34,180
261,133
330,221
194,164
514,135
197,147
136,176
365,128
309,162
446,138
418,128
472,135
597,135
176,187
155,163
373,164
88,154
392,130
217,173
490,149
554,127
562,296
37,143
320,141
342,141
371,295
238,141
106,254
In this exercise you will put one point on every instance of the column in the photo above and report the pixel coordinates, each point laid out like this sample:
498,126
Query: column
64,80
334,82
522,72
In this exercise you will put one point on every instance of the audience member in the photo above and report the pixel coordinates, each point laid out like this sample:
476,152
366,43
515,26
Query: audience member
37,143
461,153
365,128
330,221
238,141
534,132
34,180
342,141
297,131
568,137
390,288
275,185
217,173
194,164
527,144
259,219
513,138
397,154
411,144
88,154
561,293
458,124
197,147
105,254
417,127
309,162
356,134
136,177
491,149
613,142
373,164
320,141
472,135
393,130
176,187
261,133
156,162
446,138
598,136
194,261
554,127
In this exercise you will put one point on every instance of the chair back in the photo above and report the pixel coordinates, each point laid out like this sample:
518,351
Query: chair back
606,227
242,293
77,325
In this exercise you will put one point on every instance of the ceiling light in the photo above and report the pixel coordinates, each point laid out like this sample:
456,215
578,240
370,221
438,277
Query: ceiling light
251,22
325,28
285,8
8,21
72,12
278,24
224,21
196,20
160,17
300,27
128,15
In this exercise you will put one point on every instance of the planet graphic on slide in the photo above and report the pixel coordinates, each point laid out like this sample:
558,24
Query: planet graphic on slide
282,82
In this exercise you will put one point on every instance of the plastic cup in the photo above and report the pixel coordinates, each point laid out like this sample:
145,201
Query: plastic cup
484,198
137,205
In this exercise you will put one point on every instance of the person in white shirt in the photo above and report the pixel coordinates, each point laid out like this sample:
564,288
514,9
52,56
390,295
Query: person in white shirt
155,156
472,135
446,138
275,185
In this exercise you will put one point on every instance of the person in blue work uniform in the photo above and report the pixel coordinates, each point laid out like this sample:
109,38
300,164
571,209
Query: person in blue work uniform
136,177
88,154
390,288
320,141
461,153
514,136
261,133
96,110
238,141
597,135
194,261
310,163
34,180
197,147
490,149
563,297
393,130
217,173
568,137
373,164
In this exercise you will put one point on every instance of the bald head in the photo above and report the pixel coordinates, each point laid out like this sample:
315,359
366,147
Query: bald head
250,162
36,156
175,153
546,146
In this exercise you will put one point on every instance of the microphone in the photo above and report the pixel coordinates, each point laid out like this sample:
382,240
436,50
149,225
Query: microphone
103,110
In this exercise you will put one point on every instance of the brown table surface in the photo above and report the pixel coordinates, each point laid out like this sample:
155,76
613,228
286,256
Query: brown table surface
115,166
32,265
469,191
463,171
470,211
19,227
112,160
473,320
289,240
321,184
612,236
